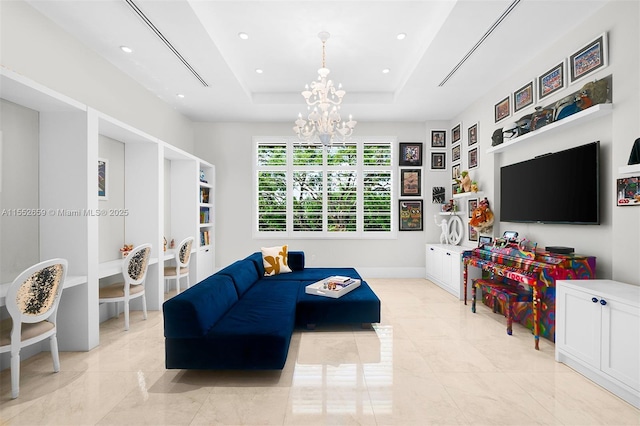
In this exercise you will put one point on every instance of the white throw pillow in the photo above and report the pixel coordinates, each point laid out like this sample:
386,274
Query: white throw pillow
274,260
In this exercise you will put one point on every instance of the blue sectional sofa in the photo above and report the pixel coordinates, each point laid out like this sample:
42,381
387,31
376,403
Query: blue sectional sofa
240,319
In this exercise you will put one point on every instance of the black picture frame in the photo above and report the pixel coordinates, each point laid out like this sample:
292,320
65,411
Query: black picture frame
473,158
472,204
438,161
502,109
410,182
472,234
411,215
455,153
523,97
411,153
456,133
438,138
551,81
472,134
456,171
484,240
588,59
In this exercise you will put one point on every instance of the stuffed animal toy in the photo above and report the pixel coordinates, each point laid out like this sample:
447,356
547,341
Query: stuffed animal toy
465,182
482,217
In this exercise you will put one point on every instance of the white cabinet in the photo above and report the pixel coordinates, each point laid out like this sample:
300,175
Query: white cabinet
598,333
444,267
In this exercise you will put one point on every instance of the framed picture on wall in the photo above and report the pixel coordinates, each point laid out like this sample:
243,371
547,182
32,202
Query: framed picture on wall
590,58
410,182
551,81
523,97
437,195
472,135
456,133
502,109
103,170
473,158
472,204
455,153
410,215
455,171
438,161
438,138
411,154
473,234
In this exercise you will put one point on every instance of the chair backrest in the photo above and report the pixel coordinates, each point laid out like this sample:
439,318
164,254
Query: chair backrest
184,252
134,266
35,293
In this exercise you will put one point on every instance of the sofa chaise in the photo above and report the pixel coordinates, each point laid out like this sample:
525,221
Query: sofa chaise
238,318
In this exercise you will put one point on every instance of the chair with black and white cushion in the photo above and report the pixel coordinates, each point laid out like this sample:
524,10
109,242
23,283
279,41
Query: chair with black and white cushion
134,271
32,303
181,268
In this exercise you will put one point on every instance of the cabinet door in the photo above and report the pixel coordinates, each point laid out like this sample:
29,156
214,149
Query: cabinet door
578,324
621,342
205,263
434,263
448,259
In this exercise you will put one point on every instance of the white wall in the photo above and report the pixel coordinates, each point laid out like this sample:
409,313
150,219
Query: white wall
19,247
616,241
230,147
35,47
111,228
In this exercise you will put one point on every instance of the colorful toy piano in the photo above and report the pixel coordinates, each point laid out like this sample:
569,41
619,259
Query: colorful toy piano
537,270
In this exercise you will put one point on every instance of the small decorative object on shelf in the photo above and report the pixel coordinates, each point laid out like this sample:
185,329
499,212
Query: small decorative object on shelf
449,207
125,249
629,191
172,244
482,217
634,157
444,227
474,186
165,243
464,182
203,177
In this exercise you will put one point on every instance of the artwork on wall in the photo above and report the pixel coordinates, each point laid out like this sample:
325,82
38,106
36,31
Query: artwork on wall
438,161
472,135
628,190
473,234
502,109
103,170
590,58
455,133
437,195
438,138
410,182
455,171
411,154
551,81
473,158
410,215
455,153
472,204
523,97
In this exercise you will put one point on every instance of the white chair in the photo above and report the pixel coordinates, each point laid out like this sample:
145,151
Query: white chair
32,302
181,269
134,271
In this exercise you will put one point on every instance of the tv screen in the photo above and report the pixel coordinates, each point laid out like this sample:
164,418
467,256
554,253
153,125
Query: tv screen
562,187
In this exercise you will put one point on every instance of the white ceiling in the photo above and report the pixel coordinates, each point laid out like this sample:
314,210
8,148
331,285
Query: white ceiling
283,42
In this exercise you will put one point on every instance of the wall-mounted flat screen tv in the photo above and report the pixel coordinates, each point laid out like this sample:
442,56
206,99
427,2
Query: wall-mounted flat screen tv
562,187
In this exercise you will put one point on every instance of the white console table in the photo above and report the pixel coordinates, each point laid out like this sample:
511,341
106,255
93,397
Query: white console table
444,268
598,333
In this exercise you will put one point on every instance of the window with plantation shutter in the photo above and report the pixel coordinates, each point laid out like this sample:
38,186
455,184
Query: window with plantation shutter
308,191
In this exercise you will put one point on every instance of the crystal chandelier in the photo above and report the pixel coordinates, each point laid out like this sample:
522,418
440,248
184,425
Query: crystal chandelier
324,120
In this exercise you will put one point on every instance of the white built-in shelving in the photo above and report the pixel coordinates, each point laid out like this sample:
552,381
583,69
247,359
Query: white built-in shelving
69,134
629,170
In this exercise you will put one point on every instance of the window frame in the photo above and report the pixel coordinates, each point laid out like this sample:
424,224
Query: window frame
359,169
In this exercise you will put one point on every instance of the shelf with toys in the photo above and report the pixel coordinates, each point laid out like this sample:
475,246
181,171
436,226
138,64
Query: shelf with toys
573,120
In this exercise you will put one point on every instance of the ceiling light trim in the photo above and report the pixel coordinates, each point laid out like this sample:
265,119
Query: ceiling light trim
161,36
479,42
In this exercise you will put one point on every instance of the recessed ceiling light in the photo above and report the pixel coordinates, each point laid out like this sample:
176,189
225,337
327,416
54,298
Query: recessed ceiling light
259,71
386,71
126,49
243,36
180,95
401,36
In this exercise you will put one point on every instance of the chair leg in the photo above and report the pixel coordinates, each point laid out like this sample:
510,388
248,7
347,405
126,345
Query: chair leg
144,306
509,316
53,340
15,374
473,297
177,285
126,315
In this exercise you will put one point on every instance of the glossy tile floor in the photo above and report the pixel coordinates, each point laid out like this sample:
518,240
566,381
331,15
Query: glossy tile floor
430,361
